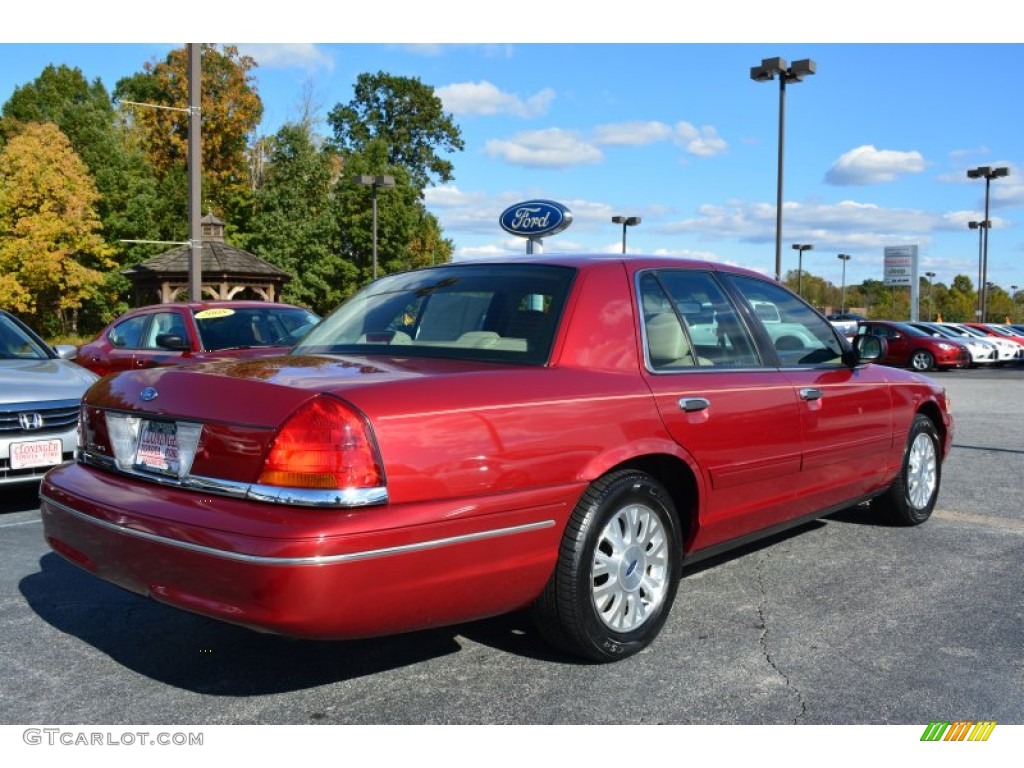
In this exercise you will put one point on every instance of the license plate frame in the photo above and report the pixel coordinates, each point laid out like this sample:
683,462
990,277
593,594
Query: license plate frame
34,454
157,449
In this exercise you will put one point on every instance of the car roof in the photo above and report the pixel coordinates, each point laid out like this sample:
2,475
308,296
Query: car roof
201,305
586,260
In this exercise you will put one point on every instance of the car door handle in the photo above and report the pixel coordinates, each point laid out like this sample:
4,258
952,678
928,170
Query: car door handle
692,404
811,393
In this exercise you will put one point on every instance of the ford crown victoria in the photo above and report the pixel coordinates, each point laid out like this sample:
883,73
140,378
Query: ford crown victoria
544,433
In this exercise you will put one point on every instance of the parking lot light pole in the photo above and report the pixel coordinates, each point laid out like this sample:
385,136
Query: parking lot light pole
625,221
768,70
374,182
843,257
931,301
986,173
801,247
981,226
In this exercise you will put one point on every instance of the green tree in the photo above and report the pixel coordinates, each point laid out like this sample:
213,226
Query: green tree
960,301
404,115
294,222
52,255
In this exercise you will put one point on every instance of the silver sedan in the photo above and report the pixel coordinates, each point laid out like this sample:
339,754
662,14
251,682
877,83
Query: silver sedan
40,393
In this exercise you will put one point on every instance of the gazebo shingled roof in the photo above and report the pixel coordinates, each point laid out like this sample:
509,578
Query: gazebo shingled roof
226,270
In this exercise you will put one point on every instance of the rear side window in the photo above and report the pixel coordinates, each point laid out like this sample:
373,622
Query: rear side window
128,334
689,322
501,312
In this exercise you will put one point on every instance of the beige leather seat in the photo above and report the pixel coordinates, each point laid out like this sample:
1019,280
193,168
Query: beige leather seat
666,343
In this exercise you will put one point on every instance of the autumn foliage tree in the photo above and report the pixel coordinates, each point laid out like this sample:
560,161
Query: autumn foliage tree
230,107
52,254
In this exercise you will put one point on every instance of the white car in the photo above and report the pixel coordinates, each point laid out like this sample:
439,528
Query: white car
40,394
1009,351
983,351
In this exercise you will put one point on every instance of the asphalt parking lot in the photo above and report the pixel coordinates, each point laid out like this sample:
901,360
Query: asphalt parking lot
843,621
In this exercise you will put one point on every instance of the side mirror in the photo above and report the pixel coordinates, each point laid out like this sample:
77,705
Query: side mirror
66,351
172,342
867,349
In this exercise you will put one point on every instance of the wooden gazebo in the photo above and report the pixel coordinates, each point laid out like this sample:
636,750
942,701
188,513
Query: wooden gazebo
227,272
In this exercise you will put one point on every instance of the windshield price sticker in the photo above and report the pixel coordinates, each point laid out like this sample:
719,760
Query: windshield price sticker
158,447
36,453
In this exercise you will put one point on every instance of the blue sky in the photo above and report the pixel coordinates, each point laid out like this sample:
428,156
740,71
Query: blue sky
635,114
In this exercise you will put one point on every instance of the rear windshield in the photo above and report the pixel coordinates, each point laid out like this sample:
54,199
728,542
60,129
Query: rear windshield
500,312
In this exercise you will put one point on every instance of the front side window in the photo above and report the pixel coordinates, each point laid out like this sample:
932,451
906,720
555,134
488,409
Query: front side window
800,336
499,312
164,324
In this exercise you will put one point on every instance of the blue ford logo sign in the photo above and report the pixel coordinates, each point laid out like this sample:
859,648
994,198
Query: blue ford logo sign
148,394
535,218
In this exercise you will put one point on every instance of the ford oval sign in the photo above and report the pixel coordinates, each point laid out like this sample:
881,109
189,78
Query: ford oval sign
535,218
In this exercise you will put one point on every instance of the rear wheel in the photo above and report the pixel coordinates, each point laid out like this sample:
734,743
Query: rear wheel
617,572
922,360
911,497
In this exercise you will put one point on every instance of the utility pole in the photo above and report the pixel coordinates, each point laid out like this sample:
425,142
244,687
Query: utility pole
195,174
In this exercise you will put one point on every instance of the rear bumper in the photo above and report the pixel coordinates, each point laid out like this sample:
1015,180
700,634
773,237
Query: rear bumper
349,575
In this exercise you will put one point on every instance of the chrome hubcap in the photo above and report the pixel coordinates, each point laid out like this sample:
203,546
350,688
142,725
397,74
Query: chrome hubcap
629,575
922,469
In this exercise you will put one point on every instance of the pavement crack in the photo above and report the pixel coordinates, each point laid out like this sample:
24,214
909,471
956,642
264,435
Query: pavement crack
762,615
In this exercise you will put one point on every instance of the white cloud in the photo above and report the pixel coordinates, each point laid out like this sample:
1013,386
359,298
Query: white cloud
703,141
845,225
632,134
450,196
485,98
868,165
549,148
305,56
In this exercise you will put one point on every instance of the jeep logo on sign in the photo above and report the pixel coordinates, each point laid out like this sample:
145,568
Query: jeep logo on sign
535,218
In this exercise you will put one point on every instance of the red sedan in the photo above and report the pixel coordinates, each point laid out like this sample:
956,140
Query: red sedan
909,346
558,433
168,334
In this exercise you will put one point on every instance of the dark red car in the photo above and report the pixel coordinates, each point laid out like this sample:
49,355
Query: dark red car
910,347
169,334
558,433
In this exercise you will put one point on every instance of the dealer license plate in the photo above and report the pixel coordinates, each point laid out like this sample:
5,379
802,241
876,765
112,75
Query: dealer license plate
36,453
158,447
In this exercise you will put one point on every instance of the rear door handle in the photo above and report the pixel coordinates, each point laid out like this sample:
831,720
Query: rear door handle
692,404
811,393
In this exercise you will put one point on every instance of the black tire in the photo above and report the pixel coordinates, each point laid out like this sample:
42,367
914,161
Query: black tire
911,497
624,527
922,360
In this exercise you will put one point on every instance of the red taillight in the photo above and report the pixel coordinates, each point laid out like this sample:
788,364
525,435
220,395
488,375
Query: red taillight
324,444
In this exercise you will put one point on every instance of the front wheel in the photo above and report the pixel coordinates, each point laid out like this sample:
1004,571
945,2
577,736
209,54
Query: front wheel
922,360
911,497
617,572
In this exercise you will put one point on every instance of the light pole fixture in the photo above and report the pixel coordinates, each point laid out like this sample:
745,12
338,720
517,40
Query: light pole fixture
931,302
986,173
374,182
625,221
800,266
768,70
843,257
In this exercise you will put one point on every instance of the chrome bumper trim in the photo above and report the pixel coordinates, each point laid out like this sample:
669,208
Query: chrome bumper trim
300,497
303,561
